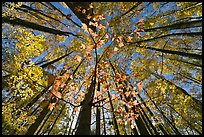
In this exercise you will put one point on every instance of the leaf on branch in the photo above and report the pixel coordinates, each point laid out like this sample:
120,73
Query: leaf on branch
120,121
140,85
121,44
82,46
115,49
127,93
78,58
135,103
84,26
51,106
141,21
84,11
129,39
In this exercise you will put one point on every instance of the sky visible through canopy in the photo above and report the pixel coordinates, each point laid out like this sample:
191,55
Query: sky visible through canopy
138,61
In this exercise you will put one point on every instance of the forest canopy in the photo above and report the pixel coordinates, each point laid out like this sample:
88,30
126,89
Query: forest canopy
101,68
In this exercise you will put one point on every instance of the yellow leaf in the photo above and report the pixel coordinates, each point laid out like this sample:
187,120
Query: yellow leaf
84,26
155,5
151,23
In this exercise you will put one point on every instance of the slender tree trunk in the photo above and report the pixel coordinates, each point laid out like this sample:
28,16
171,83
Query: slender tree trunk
27,24
98,115
150,112
56,60
44,122
98,120
197,65
104,122
71,115
198,105
192,127
70,127
179,25
147,121
57,118
141,126
161,112
114,118
190,55
35,125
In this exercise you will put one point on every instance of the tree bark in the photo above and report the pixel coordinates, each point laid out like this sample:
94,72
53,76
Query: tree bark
56,118
35,125
85,114
98,115
74,6
190,55
27,24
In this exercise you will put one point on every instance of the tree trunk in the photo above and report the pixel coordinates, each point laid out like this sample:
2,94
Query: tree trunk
57,118
104,122
27,24
36,124
98,115
85,114
114,118
179,53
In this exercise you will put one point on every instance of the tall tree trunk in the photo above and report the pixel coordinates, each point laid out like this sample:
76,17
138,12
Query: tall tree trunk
141,126
98,115
44,122
85,114
161,112
150,112
192,127
27,24
35,125
198,103
114,118
173,52
70,127
104,122
178,25
57,118
197,65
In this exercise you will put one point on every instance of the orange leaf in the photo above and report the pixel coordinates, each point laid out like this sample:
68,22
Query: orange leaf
140,85
141,21
51,106
135,103
84,26
120,86
120,121
129,39
115,49
58,94
127,93
121,44
78,58
84,11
